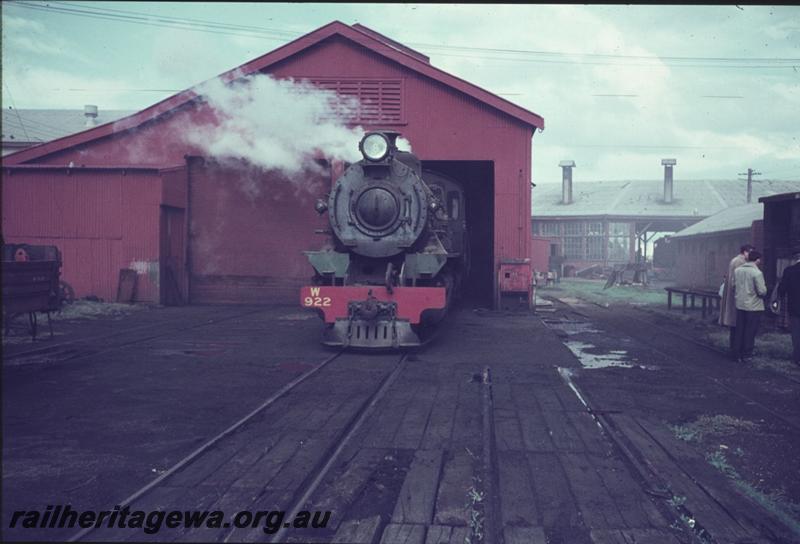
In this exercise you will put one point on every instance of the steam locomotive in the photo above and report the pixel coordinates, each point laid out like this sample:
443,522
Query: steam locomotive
398,253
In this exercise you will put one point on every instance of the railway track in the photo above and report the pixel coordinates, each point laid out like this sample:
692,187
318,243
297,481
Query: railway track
693,369
290,394
94,345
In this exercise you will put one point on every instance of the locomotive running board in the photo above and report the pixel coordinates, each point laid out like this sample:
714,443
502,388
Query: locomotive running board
357,333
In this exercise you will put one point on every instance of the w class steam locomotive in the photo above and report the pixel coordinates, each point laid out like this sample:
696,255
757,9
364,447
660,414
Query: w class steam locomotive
398,252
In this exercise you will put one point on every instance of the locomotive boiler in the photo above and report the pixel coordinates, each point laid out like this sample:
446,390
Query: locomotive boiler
398,251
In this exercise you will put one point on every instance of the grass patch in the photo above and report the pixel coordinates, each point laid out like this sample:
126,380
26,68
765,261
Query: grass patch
592,291
719,425
85,309
773,351
775,502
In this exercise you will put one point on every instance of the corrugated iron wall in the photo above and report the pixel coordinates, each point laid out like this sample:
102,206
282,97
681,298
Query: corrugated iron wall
102,221
246,241
254,247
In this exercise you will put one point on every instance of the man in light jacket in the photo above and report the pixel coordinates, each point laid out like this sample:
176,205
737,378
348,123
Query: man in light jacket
749,286
727,304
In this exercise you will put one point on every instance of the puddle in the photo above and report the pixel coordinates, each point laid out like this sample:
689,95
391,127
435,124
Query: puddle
572,301
571,327
615,358
608,358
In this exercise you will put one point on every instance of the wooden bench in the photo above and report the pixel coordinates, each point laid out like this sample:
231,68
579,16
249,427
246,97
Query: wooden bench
711,300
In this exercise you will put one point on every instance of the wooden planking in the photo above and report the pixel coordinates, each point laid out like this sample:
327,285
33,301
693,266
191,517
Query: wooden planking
635,507
517,500
535,436
708,513
411,429
271,501
270,464
445,534
452,498
590,433
396,533
343,487
594,501
468,422
715,483
382,425
440,424
418,495
554,497
306,458
559,427
507,431
634,536
360,531
524,535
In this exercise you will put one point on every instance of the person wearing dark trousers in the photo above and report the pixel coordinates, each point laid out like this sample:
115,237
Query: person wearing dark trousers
749,286
727,303
790,288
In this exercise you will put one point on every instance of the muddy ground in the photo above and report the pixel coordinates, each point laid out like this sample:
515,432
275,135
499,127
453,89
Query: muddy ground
596,424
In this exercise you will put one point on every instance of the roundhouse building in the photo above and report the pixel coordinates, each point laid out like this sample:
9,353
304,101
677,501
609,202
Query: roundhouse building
134,195
608,223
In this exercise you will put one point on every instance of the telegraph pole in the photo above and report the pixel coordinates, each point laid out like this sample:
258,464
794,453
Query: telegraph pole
750,174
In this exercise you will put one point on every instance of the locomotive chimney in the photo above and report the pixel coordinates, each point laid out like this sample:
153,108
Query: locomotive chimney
668,164
566,181
90,112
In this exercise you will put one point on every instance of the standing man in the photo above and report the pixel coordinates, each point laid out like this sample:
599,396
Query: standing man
748,282
790,287
727,304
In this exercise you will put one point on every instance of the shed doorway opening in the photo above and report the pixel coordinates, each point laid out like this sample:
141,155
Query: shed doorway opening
478,180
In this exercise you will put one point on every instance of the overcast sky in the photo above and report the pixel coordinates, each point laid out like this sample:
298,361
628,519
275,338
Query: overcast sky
619,87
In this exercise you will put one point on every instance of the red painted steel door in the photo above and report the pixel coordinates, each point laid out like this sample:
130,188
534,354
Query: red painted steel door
172,276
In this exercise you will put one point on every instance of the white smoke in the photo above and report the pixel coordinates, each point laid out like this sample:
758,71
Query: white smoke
277,124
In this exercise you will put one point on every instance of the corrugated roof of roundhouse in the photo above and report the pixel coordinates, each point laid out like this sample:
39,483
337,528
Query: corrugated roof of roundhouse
645,198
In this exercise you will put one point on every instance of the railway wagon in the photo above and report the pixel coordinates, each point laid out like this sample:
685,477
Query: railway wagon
31,283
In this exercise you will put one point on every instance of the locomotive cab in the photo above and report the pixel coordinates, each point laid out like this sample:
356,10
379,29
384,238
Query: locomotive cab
397,251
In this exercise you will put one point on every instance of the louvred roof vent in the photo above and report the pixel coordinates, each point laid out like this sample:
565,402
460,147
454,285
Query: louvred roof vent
380,100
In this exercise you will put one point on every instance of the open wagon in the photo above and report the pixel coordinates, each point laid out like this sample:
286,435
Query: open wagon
31,283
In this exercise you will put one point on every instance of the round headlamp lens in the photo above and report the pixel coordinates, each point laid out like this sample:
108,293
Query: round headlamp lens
375,147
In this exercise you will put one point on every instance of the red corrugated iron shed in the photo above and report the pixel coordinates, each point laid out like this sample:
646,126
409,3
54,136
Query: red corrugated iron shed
237,247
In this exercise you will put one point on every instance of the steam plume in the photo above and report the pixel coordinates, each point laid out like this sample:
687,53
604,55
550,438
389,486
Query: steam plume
277,124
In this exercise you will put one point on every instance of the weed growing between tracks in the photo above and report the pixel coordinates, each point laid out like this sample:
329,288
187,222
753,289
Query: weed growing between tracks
475,508
775,502
720,425
705,432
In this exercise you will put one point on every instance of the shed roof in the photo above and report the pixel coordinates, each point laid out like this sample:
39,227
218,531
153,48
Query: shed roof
734,218
644,198
43,125
777,198
358,34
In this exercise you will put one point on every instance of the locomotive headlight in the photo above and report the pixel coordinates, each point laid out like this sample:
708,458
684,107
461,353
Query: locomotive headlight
374,147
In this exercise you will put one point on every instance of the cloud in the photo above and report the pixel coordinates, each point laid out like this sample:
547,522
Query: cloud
29,37
37,87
